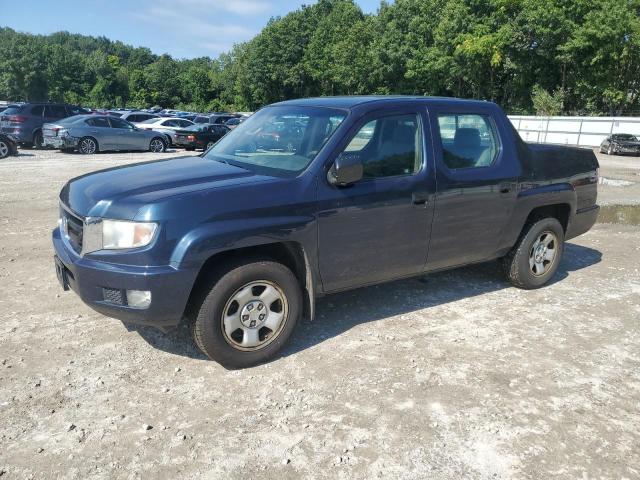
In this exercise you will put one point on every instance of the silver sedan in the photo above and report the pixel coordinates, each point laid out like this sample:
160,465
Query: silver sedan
167,126
98,133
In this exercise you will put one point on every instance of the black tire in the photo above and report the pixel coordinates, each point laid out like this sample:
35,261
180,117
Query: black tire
88,146
189,149
38,140
208,327
154,145
5,149
517,263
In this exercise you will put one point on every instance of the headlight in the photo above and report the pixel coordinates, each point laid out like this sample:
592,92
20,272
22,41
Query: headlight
122,234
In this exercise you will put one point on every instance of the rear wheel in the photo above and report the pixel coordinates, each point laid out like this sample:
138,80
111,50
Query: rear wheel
4,149
209,145
157,145
87,146
248,314
38,140
535,258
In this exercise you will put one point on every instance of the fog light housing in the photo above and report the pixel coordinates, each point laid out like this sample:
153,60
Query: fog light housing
138,298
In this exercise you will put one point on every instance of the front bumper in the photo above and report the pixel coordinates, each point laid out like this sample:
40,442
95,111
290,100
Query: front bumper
95,282
582,221
60,142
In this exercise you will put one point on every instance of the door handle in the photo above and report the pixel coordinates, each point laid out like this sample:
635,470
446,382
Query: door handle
419,198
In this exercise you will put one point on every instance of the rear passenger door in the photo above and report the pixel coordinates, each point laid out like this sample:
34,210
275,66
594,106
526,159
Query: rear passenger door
476,171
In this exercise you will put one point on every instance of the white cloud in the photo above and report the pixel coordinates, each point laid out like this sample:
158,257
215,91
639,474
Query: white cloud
240,7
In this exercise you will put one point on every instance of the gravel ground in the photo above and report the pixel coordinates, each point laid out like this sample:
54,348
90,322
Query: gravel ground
456,375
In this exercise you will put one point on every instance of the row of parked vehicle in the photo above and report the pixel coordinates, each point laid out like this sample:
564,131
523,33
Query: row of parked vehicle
70,127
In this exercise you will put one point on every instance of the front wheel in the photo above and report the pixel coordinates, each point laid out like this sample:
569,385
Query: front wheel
534,260
248,314
157,145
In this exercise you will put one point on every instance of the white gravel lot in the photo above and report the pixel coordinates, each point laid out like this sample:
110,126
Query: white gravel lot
456,375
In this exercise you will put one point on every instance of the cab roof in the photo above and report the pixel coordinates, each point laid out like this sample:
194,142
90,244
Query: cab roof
350,102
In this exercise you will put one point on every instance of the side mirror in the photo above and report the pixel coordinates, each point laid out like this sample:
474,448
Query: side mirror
346,169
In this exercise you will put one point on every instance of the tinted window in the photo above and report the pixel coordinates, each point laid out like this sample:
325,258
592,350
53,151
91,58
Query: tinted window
389,146
13,110
75,110
56,111
170,123
119,123
201,120
468,141
184,123
37,110
98,122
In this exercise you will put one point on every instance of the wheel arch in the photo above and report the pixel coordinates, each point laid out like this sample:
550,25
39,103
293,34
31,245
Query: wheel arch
290,254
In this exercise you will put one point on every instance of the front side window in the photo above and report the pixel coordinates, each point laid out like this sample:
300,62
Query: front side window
468,140
56,111
389,146
279,140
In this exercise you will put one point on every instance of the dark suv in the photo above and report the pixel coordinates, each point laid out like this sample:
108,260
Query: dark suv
24,121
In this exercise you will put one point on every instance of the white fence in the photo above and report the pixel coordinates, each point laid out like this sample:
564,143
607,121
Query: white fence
580,131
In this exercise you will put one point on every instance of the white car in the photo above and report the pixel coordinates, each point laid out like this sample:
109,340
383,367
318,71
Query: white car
167,126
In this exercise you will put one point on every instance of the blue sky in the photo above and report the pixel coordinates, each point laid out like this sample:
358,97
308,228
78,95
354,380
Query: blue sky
182,28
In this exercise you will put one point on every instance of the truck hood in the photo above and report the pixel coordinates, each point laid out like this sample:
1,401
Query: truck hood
120,192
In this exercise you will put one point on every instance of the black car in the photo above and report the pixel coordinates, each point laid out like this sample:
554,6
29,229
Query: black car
200,136
621,144
8,146
215,118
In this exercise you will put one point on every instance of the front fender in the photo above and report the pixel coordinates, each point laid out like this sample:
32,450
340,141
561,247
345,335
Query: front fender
204,241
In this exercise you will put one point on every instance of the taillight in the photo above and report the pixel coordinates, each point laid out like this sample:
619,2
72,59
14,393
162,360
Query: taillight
191,137
16,118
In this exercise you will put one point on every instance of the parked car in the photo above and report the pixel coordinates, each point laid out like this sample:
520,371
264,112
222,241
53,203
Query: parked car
621,144
8,145
25,121
166,126
234,122
98,133
138,117
240,241
215,119
200,136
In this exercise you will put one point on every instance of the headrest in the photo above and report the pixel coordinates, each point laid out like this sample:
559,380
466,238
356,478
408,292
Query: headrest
467,138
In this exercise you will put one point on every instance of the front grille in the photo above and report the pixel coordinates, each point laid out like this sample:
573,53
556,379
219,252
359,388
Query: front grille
73,227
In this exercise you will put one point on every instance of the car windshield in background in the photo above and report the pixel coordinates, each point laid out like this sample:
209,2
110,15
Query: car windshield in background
280,140
198,127
626,137
74,119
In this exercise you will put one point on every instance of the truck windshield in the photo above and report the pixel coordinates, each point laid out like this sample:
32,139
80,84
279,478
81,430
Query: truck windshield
279,139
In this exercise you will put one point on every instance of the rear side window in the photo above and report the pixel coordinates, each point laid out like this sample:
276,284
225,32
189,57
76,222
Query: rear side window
98,122
119,123
468,140
389,146
56,111
37,111
13,110
201,120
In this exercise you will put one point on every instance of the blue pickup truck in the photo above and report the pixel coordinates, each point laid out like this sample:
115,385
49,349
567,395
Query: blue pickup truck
241,240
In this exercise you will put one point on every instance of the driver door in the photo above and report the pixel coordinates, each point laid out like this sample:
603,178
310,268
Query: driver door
378,228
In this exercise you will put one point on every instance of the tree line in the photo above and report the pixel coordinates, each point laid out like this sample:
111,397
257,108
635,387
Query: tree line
544,56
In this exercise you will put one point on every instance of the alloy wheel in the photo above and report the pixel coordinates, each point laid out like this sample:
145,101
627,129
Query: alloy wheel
156,145
543,253
254,315
87,146
209,145
4,150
